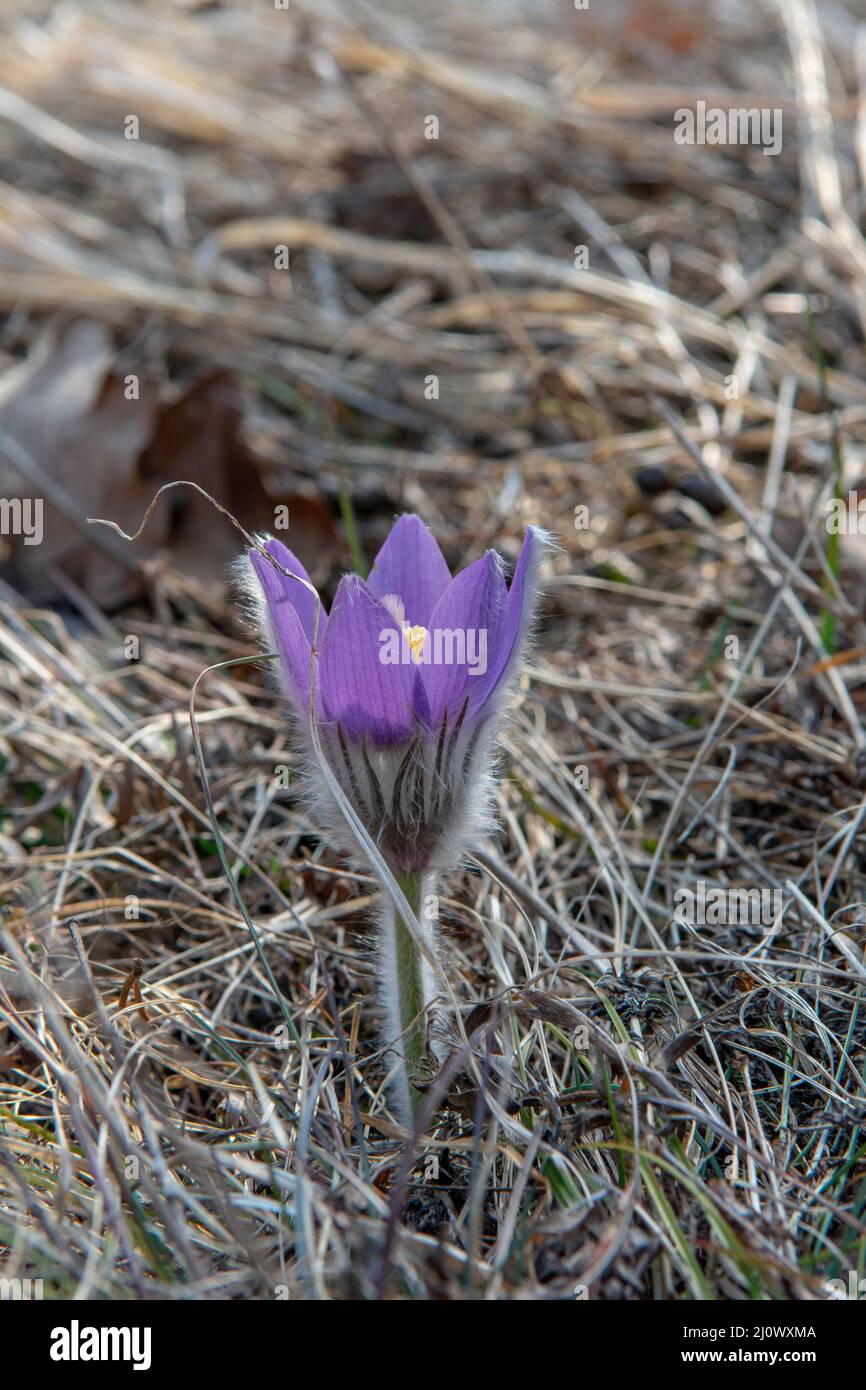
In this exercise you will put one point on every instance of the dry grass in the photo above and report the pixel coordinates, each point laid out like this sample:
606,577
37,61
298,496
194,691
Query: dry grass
191,1085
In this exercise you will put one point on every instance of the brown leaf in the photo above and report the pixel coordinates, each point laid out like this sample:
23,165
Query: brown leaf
74,420
198,437
108,452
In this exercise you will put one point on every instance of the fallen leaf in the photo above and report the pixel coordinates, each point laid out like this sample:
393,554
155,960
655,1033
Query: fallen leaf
78,423
100,443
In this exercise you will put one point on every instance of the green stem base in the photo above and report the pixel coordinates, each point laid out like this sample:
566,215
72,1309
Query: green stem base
405,977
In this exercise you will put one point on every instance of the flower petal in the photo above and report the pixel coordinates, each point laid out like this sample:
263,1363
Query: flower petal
410,565
466,623
358,689
517,619
299,596
285,627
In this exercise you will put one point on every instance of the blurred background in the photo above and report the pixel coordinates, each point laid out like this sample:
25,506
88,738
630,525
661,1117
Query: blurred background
336,258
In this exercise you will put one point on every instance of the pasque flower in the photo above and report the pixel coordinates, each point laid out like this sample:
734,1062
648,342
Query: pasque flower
401,689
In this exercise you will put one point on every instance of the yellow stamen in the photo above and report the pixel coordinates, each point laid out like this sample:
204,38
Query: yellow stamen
415,636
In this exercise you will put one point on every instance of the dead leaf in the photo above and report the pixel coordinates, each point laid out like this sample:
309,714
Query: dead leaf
107,443
76,420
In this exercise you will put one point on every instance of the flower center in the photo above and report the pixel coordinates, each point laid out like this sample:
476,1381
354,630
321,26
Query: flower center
415,636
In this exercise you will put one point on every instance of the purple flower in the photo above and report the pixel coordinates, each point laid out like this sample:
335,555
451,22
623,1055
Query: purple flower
410,671
403,686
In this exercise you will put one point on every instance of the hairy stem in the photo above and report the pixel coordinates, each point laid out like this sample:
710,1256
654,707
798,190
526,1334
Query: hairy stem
407,991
